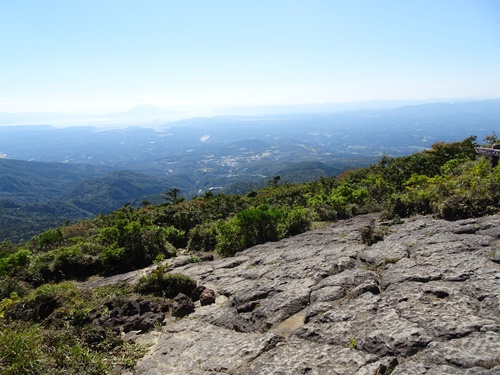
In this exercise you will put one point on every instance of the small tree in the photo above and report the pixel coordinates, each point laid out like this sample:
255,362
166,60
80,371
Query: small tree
492,138
274,181
172,195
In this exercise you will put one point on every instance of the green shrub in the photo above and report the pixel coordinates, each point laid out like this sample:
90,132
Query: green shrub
13,262
323,211
163,284
418,197
258,225
21,349
72,262
229,238
131,245
295,221
39,270
7,248
247,228
82,229
344,200
32,349
171,234
377,187
428,163
5,303
50,239
43,301
347,200
63,263
13,284
456,207
467,190
114,260
203,237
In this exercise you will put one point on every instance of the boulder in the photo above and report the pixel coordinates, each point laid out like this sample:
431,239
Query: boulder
182,306
132,315
195,294
207,297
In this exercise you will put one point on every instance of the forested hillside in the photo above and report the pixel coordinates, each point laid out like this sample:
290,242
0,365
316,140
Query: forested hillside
93,171
35,196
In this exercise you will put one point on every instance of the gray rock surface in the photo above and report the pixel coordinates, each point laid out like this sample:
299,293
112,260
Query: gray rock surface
425,300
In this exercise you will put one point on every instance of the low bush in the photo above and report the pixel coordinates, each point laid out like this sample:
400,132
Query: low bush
295,221
203,237
13,262
46,299
37,350
131,245
73,263
229,238
49,239
467,190
163,284
7,248
39,270
11,284
258,225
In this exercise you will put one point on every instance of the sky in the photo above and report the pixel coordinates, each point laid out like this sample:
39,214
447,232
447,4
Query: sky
99,56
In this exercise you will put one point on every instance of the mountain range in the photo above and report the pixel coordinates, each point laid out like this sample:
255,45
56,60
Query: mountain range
50,175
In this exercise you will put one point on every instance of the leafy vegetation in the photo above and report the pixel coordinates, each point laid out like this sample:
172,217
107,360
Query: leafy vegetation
449,180
50,330
163,284
40,306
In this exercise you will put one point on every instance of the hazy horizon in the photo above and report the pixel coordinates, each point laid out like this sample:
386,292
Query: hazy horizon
100,57
150,116
372,103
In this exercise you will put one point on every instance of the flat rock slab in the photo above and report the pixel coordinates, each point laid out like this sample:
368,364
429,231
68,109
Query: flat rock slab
425,300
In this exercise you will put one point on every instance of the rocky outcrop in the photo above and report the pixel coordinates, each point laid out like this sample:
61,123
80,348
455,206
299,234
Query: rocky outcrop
207,297
182,306
423,300
131,315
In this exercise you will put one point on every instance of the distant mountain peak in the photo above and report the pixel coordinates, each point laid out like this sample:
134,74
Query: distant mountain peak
143,110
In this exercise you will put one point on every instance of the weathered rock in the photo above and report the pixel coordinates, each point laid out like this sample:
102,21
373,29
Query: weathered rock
424,300
132,315
193,347
207,297
143,322
196,293
182,306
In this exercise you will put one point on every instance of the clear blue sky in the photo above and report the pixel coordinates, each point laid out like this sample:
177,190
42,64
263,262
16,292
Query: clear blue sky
109,55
